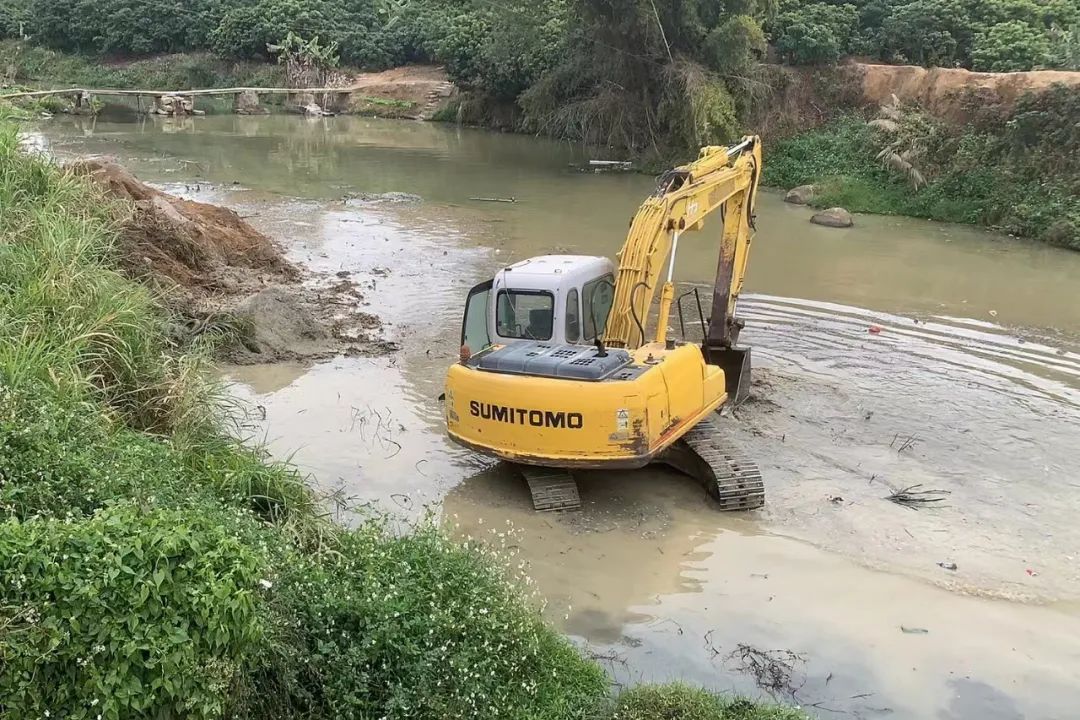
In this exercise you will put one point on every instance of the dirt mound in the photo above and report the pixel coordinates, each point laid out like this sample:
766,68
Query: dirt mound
806,97
410,91
949,92
196,246
278,324
219,274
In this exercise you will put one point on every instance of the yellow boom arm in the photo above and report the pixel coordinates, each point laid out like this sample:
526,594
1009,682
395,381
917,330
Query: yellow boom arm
721,177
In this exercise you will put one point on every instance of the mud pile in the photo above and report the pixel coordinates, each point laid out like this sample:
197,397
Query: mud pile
806,97
219,274
191,247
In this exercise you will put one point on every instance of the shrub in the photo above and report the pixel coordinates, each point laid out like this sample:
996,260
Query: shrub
61,457
1019,173
418,627
128,614
682,702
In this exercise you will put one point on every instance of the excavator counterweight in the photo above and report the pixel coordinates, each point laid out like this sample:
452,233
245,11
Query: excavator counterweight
557,371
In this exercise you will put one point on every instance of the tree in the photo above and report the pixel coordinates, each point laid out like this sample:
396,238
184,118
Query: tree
1065,47
307,62
650,75
735,45
815,33
14,18
123,26
249,26
1010,46
928,32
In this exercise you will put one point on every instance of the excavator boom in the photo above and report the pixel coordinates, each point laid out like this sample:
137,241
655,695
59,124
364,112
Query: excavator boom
724,178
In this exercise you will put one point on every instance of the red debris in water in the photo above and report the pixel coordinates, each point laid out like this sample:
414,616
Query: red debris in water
874,329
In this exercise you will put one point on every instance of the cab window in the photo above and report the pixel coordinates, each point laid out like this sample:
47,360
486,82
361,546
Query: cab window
597,296
525,314
573,316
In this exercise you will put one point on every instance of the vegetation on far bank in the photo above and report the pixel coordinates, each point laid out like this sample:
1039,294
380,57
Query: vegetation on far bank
647,80
1019,172
648,77
152,565
33,65
508,43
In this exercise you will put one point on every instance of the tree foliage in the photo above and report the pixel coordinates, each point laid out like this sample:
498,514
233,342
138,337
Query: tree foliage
1012,34
1009,46
815,33
122,26
14,18
506,47
645,74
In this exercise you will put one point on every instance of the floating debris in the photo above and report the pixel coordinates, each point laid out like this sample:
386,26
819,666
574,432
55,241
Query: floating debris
772,669
915,498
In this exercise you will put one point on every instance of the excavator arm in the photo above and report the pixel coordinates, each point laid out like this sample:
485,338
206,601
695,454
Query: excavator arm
724,178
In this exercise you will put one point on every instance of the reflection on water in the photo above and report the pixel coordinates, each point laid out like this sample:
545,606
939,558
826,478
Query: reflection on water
894,264
972,386
665,588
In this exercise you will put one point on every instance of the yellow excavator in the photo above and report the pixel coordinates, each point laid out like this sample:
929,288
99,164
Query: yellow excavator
557,372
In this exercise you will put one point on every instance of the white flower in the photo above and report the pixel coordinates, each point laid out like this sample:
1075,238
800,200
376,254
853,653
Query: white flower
266,584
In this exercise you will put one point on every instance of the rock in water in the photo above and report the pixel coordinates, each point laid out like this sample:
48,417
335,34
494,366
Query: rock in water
247,103
800,195
833,217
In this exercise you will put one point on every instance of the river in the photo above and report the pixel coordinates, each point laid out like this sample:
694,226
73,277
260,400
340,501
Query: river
972,386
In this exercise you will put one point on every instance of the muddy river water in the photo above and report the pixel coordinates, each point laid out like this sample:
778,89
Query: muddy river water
972,387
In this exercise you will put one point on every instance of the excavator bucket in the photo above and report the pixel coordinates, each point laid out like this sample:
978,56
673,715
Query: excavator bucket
735,362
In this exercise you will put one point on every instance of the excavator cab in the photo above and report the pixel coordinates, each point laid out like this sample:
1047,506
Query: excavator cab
555,299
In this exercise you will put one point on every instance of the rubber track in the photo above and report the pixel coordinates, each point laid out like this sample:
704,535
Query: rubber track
552,489
735,482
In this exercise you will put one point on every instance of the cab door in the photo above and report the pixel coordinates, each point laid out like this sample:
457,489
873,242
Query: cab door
475,331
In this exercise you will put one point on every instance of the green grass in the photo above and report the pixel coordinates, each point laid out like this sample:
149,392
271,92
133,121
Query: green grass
683,702
383,102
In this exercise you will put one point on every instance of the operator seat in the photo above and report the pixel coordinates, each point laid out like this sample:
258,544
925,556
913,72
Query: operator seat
540,324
